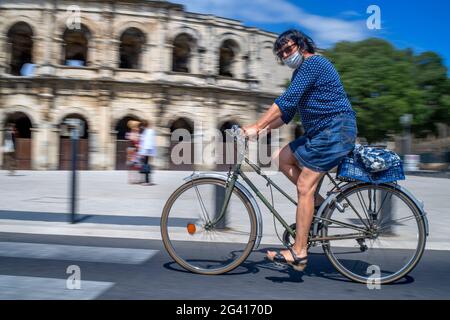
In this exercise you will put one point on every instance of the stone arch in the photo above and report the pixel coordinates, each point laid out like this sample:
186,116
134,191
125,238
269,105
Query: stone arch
123,142
226,154
229,51
181,122
65,149
76,46
63,112
129,112
232,36
20,46
121,127
61,26
193,33
183,46
24,19
30,113
119,29
132,42
23,139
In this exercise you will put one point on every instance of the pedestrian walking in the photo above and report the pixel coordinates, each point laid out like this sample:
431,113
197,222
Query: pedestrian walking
133,158
9,149
147,150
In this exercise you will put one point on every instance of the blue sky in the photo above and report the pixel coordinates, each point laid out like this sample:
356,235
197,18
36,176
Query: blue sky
420,25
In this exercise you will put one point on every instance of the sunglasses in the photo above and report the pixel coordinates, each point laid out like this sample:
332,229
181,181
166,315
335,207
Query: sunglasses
288,51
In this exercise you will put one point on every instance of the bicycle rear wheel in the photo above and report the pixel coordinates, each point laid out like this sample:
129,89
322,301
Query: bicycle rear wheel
397,239
195,240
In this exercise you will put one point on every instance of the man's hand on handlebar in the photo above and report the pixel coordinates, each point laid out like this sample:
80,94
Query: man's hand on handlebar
251,131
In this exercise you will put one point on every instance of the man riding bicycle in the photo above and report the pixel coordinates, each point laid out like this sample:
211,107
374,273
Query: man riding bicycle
317,94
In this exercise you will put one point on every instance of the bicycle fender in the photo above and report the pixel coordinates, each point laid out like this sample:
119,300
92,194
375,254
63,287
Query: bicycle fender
244,190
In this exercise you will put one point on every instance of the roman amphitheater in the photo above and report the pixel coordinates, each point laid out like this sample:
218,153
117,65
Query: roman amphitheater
106,62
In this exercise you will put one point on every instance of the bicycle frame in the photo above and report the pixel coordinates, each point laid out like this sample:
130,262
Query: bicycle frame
236,171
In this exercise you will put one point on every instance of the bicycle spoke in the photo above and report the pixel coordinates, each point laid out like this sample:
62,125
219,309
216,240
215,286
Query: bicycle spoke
202,205
393,222
381,206
359,216
363,206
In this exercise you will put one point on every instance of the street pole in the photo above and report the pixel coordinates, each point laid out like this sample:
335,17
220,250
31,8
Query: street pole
74,138
75,127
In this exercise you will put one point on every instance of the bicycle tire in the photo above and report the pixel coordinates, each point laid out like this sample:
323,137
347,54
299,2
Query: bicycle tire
327,248
168,243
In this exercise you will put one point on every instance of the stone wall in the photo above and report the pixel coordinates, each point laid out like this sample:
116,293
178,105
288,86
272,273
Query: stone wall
102,93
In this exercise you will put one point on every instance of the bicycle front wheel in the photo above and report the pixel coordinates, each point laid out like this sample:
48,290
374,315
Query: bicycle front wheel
196,238
392,234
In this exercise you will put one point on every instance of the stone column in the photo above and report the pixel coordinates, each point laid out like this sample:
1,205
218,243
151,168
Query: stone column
5,52
253,54
210,130
46,99
162,62
162,160
39,51
162,132
111,150
36,149
94,154
94,52
53,147
107,57
108,46
145,57
1,144
2,124
211,55
104,136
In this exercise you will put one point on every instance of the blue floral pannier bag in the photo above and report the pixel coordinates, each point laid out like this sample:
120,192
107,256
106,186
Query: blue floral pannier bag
371,164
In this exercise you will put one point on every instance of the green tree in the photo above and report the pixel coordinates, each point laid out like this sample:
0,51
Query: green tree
384,83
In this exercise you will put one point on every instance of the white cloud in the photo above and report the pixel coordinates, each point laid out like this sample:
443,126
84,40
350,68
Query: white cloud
350,13
324,30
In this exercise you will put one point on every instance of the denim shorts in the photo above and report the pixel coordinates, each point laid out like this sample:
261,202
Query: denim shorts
325,149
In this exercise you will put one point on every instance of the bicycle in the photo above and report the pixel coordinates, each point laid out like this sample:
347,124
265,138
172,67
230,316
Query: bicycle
357,233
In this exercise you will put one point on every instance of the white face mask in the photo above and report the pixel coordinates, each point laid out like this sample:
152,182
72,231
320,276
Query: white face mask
294,61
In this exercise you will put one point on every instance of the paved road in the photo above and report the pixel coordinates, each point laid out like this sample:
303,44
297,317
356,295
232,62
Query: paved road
34,267
37,202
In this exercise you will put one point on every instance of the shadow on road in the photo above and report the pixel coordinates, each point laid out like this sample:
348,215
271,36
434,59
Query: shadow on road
318,266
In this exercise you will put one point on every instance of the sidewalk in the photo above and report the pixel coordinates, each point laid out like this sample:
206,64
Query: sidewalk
38,202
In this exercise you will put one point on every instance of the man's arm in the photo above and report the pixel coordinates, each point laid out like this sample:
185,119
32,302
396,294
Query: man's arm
275,124
270,116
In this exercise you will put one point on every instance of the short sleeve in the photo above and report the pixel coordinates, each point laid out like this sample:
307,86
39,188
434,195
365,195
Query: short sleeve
303,80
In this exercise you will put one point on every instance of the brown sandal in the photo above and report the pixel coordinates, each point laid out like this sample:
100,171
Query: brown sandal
299,263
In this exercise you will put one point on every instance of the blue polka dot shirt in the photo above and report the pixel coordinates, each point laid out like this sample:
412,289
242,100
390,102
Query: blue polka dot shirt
316,93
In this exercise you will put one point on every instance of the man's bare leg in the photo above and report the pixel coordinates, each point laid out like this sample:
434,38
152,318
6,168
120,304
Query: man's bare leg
306,186
288,164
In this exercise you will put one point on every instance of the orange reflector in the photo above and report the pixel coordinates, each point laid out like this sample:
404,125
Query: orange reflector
191,228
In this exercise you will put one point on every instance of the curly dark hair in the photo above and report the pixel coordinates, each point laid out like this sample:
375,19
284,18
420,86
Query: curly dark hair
303,41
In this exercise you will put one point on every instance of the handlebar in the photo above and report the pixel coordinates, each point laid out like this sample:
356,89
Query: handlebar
238,134
236,130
